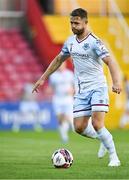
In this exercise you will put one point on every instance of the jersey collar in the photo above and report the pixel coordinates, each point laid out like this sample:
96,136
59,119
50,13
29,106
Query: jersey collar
79,41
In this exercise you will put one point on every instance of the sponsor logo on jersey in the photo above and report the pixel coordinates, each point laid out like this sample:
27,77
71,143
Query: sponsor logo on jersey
75,54
101,101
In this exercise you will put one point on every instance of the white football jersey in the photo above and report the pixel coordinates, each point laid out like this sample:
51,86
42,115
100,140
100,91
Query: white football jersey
87,56
62,82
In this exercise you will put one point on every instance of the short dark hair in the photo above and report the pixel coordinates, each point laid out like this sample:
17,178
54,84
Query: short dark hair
82,13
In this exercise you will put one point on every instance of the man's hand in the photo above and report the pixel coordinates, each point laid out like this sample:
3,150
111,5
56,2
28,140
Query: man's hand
37,85
116,88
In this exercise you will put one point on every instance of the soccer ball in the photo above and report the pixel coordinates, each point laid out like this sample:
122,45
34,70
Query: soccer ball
62,158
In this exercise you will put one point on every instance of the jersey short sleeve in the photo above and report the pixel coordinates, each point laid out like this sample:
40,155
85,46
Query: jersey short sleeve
65,49
100,49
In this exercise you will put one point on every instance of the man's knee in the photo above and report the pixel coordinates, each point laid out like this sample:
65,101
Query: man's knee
98,120
78,126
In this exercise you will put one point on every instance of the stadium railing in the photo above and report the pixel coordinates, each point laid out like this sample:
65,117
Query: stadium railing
11,13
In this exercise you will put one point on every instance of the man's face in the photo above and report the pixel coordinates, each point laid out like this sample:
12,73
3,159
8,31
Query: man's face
78,25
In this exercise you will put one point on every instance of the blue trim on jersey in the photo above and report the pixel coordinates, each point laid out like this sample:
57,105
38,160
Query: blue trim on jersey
83,39
103,55
93,36
66,53
79,87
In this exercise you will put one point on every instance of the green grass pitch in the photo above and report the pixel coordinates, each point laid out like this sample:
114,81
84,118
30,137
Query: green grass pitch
27,155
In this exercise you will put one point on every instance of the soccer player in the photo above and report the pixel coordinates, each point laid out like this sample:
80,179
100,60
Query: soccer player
62,82
91,96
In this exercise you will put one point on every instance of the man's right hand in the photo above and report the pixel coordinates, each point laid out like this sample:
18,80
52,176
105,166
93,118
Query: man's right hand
37,85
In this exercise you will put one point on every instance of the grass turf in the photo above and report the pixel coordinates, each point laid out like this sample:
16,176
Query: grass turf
27,155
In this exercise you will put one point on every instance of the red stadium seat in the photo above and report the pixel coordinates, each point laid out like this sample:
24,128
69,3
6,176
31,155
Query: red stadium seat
18,64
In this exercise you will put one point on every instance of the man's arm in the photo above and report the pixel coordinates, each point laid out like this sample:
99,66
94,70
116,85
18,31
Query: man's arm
115,74
54,65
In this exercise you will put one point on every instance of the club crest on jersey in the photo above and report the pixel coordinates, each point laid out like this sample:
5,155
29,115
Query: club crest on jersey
86,46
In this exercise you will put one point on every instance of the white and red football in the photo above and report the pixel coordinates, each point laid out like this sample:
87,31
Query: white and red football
62,158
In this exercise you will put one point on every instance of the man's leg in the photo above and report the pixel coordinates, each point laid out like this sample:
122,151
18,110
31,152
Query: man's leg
82,121
63,128
102,151
83,125
90,132
125,119
105,137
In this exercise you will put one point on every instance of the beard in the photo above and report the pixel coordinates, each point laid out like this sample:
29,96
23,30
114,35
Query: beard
78,31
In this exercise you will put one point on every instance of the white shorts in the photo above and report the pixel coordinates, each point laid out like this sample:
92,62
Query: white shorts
94,100
63,106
